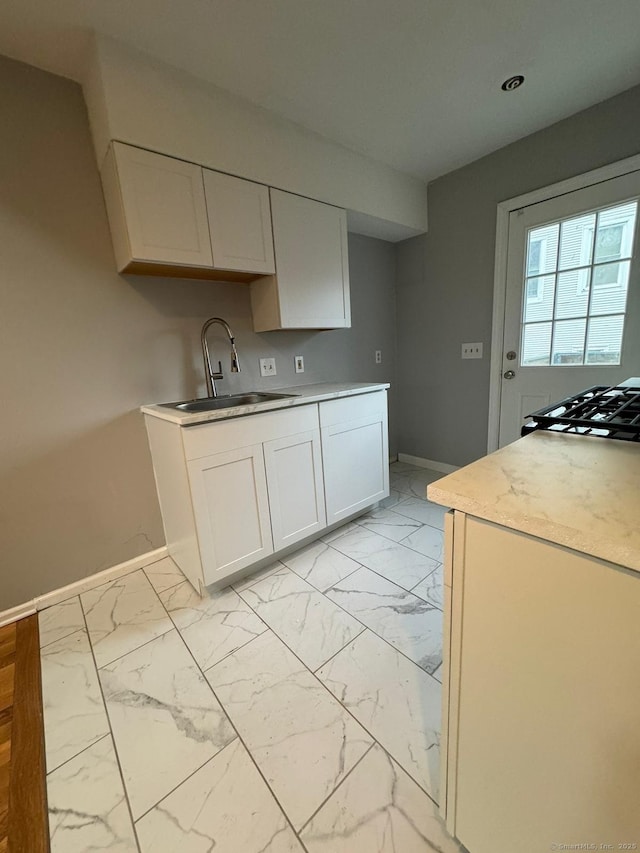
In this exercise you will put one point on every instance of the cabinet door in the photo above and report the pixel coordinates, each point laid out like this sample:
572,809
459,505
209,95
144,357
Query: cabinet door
162,214
294,478
356,465
311,286
231,509
239,223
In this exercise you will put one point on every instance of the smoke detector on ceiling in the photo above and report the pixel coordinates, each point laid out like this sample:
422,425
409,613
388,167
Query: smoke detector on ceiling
512,83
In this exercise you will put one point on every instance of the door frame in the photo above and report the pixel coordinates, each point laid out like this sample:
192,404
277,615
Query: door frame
504,210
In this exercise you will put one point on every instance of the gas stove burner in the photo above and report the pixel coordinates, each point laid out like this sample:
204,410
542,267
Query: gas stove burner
602,411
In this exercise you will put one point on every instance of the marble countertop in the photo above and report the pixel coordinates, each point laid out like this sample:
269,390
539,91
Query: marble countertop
304,394
576,491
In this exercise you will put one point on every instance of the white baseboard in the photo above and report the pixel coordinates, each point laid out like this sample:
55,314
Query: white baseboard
427,463
41,602
19,612
393,459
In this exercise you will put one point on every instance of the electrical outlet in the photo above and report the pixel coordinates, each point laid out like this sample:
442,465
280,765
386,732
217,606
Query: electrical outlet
472,350
267,367
299,363
378,356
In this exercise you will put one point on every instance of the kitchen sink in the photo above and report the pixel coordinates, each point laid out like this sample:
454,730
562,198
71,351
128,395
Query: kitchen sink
226,401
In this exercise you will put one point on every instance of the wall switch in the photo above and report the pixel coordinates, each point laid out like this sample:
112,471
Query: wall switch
378,356
267,367
472,350
299,363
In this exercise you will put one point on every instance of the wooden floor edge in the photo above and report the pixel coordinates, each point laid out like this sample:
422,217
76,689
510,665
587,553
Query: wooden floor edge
28,826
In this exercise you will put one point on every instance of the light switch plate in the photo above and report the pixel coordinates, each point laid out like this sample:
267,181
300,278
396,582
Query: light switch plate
267,367
299,363
472,350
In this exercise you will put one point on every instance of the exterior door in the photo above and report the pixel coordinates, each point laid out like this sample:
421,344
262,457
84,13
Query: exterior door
572,312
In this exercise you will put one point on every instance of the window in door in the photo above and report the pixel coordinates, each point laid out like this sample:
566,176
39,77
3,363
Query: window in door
575,293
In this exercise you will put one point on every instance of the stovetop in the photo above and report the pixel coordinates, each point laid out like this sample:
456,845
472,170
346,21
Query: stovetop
602,410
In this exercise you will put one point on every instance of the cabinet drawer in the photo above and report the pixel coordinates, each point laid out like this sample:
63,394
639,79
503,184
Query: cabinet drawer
354,408
221,436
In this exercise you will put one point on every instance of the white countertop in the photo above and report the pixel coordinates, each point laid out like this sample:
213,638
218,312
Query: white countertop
578,491
304,394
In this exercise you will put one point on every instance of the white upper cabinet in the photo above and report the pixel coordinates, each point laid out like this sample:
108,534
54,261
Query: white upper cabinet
156,208
239,223
311,287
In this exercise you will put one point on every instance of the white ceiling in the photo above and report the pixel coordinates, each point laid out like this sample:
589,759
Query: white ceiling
412,83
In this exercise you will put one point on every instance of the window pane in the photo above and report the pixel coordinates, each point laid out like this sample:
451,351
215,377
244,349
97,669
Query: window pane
536,344
538,298
568,342
604,340
542,249
614,237
576,240
610,283
572,296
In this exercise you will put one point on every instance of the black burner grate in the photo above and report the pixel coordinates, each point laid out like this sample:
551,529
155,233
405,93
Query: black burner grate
605,411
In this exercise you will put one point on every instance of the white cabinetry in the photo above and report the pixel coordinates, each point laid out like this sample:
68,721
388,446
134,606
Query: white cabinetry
296,496
541,694
355,453
156,208
311,287
234,492
168,217
239,223
231,509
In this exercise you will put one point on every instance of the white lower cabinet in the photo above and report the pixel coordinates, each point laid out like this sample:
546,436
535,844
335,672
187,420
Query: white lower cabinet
296,494
541,695
231,509
355,453
234,492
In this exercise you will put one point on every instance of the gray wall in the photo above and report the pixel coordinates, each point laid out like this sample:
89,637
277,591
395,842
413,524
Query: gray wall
445,278
81,348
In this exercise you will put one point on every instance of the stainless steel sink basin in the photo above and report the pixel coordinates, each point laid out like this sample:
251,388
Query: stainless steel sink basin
228,401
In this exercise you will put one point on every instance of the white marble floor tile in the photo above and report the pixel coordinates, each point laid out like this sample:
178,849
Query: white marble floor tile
378,808
74,715
422,510
165,720
438,674
414,482
122,615
428,541
393,560
432,588
301,738
321,565
395,700
87,806
59,621
249,580
312,626
388,523
225,806
212,625
394,497
163,574
339,531
411,624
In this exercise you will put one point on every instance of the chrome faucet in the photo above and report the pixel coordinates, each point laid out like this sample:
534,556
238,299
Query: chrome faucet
209,375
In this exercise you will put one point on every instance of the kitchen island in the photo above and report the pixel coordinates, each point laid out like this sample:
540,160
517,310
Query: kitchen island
541,706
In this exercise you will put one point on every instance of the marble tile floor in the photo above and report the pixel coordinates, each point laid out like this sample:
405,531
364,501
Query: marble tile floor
296,710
